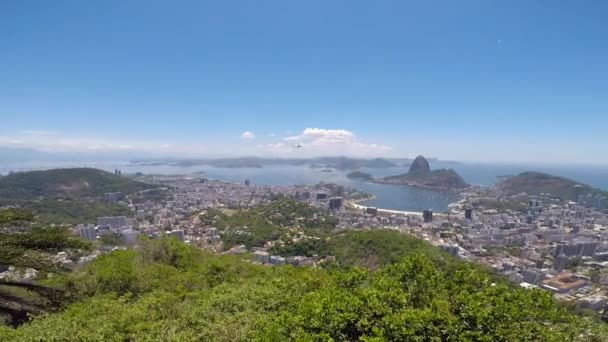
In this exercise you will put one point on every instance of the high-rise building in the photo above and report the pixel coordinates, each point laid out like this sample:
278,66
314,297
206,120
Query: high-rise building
178,234
87,232
277,260
451,250
112,197
371,211
468,213
129,236
321,196
559,263
247,182
262,257
427,215
115,222
533,276
335,203
535,207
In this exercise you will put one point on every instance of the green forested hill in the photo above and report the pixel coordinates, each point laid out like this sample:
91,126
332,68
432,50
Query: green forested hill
167,291
534,183
68,210
66,195
66,183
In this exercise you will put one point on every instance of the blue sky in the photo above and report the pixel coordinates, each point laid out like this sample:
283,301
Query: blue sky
464,80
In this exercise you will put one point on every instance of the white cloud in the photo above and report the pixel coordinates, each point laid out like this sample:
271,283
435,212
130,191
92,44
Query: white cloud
319,141
314,141
247,135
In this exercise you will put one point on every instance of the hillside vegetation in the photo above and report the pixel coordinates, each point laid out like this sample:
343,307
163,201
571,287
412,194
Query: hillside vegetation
66,183
273,221
360,175
534,183
167,291
67,195
67,210
23,244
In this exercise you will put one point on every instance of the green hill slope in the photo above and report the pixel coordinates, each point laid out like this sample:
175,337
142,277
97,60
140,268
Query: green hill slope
534,183
66,183
167,291
67,195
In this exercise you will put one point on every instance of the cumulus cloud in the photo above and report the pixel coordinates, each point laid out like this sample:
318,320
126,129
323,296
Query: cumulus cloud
247,135
314,142
319,141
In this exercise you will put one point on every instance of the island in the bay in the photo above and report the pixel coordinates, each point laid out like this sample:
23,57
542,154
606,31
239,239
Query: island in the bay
360,175
420,174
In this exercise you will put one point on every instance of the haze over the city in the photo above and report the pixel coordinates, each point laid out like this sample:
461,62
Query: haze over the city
492,81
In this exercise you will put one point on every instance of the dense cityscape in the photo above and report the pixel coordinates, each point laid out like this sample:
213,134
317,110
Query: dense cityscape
535,241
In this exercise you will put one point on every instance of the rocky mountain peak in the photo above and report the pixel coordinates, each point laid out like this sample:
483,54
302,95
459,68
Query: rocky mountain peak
420,165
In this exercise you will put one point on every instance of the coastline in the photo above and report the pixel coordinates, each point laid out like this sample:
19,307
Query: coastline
356,205
422,186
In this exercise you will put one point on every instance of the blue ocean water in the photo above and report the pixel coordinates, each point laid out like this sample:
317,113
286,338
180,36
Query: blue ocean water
387,196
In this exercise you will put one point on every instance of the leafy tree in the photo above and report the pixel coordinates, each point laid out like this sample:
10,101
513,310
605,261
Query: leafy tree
25,249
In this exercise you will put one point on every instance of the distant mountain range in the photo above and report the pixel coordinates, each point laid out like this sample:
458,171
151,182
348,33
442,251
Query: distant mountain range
341,163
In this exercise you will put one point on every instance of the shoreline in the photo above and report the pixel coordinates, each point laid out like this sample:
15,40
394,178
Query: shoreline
423,186
357,201
381,210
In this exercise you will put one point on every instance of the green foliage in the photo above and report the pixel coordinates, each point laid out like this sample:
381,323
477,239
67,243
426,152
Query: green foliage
168,291
69,195
371,249
306,247
15,215
32,248
29,248
111,239
268,222
368,249
153,195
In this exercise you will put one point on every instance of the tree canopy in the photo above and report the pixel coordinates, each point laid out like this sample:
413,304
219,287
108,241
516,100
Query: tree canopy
30,247
166,290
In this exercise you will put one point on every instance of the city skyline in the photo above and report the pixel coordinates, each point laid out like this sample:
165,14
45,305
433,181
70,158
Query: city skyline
473,81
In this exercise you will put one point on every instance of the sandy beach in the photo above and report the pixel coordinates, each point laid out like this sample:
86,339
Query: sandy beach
387,211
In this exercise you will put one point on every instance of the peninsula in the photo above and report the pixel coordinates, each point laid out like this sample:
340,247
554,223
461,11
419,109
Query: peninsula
420,174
